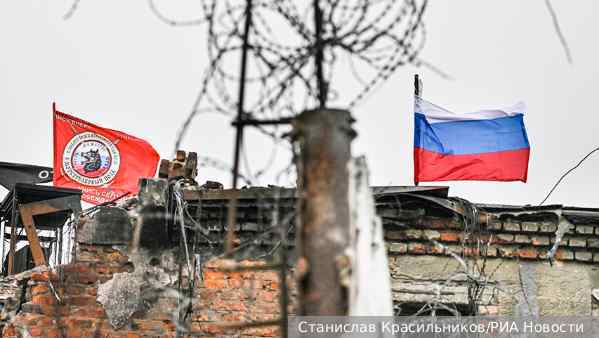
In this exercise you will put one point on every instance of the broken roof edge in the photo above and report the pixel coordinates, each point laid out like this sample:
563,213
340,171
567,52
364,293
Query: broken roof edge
196,193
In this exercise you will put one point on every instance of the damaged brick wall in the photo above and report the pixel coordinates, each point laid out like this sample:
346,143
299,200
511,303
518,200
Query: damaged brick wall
221,297
506,238
515,257
116,288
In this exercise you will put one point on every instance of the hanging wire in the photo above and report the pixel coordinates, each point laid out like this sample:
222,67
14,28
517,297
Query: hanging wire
566,174
72,10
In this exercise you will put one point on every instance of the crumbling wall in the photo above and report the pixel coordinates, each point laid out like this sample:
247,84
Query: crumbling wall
520,279
219,299
563,289
113,289
241,296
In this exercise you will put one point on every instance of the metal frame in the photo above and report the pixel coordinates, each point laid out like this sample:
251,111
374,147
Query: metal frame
27,211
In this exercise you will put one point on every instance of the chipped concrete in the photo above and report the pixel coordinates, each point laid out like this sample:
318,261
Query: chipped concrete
121,297
130,292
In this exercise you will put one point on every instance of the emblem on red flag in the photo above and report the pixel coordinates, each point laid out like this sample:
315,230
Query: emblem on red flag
102,162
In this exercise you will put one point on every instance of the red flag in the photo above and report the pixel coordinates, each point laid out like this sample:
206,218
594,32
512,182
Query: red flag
104,163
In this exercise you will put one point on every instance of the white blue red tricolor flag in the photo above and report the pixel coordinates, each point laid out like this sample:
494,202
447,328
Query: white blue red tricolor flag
487,145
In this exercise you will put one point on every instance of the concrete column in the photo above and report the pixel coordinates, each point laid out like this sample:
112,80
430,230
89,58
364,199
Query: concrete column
324,137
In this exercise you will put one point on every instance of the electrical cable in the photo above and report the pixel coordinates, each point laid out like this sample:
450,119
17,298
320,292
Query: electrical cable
566,174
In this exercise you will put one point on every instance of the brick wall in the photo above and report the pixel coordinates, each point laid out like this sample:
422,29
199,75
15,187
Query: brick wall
222,297
508,238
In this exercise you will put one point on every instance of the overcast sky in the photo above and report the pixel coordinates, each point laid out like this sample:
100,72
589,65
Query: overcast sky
113,63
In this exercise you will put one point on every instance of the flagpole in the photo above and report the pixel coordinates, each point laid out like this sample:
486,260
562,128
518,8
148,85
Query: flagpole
417,93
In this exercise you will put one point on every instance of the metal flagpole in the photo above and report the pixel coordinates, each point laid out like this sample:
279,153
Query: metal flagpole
417,93
2,249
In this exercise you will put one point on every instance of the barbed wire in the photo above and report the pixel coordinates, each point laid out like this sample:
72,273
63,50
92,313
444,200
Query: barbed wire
376,36
558,31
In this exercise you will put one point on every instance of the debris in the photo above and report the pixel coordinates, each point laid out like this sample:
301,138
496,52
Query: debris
121,297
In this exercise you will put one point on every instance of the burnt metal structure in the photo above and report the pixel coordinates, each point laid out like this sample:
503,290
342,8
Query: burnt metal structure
11,173
34,208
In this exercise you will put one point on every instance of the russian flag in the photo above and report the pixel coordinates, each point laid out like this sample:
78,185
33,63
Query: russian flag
487,145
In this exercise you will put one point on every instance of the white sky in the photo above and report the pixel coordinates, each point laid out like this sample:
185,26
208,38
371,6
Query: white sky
113,63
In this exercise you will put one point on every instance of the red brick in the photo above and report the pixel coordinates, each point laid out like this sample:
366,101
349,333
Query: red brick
91,291
540,240
53,333
235,283
103,269
204,328
267,331
74,290
35,331
53,310
435,249
397,247
214,275
274,285
449,237
469,251
87,278
529,253
9,330
116,257
93,311
267,296
397,235
76,268
219,305
149,325
437,223
45,299
81,300
234,275
488,310
39,289
416,248
214,283
43,276
503,238
269,276
564,254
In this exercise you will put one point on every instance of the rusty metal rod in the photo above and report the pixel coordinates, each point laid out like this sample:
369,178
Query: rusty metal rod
239,133
284,292
319,56
257,122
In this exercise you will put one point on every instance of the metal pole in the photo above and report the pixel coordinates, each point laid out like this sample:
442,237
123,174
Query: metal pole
3,223
417,93
324,137
13,239
417,85
319,56
239,134
284,292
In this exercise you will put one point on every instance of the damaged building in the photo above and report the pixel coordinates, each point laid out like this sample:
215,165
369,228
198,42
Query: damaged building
157,265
